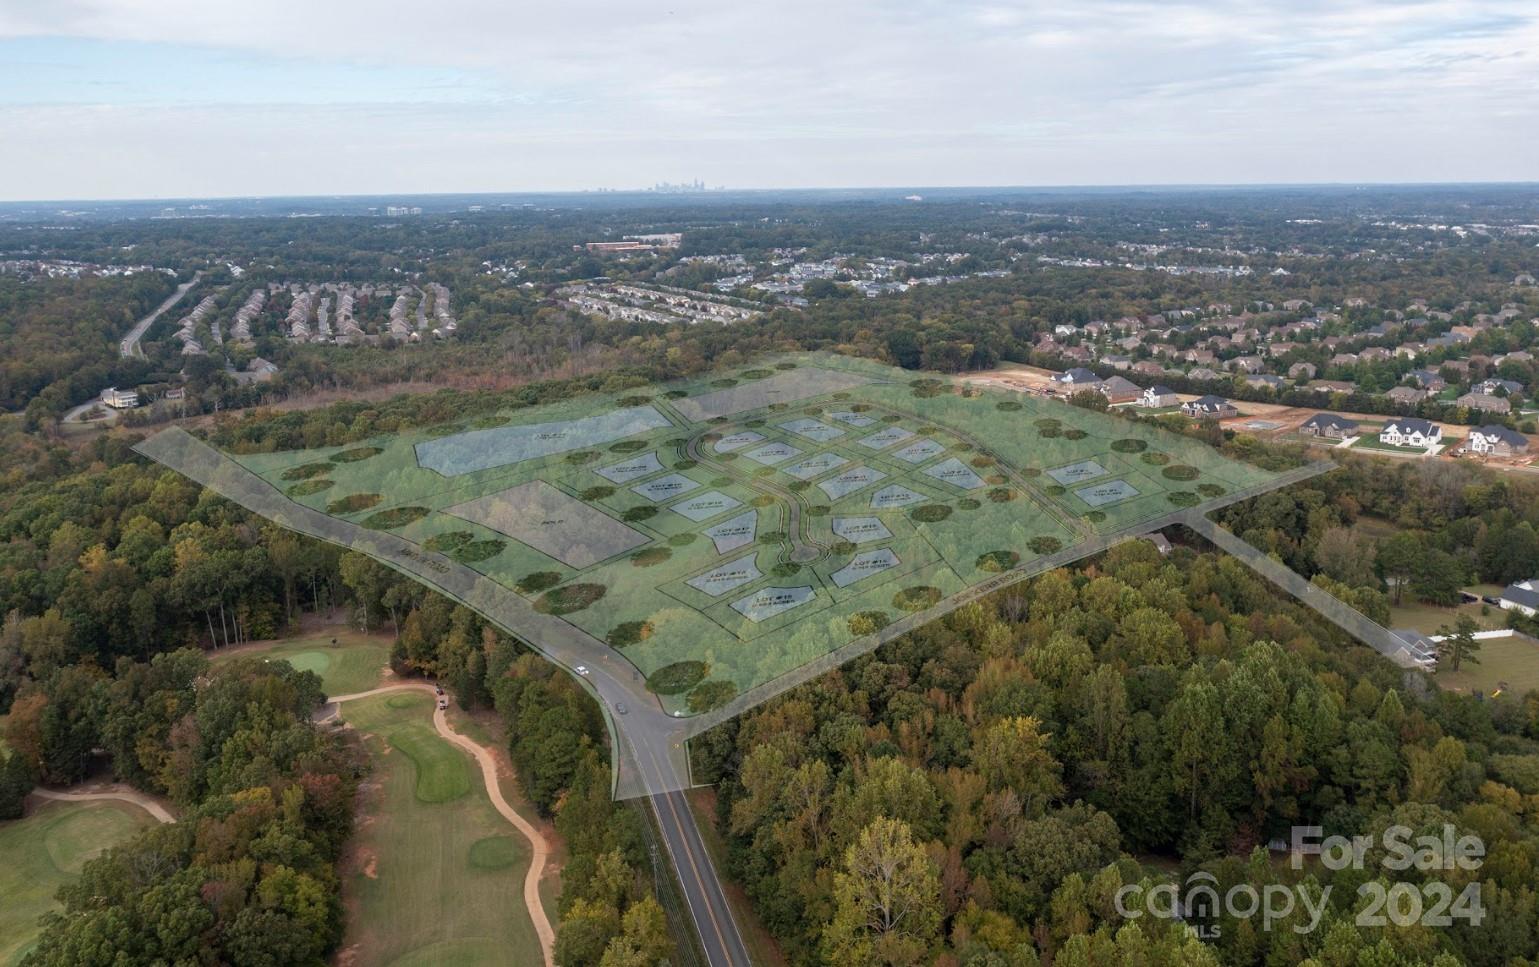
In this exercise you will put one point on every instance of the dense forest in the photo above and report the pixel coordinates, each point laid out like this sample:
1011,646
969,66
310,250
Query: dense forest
59,337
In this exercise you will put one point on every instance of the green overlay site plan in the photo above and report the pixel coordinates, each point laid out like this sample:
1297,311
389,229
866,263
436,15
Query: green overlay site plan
692,549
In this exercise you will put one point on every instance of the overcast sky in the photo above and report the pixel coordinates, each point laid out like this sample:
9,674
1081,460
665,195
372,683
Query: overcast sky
167,98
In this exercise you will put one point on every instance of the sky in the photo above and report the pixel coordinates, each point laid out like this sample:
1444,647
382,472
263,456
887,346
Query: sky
193,98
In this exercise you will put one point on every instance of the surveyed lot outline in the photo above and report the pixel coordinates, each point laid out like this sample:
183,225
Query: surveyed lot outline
716,540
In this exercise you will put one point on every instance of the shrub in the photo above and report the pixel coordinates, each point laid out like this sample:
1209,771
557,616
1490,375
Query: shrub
538,581
650,556
930,513
683,540
448,542
572,597
305,471
356,454
629,633
996,561
394,517
1002,495
352,503
1045,544
868,622
307,487
1129,445
916,598
639,513
678,677
1155,459
1180,471
477,551
1183,498
597,493
628,446
1009,406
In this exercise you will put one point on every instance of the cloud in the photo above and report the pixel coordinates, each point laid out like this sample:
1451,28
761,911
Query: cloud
585,93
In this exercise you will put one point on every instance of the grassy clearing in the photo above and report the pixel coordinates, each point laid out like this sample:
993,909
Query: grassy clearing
439,873
47,849
1512,660
354,665
1428,618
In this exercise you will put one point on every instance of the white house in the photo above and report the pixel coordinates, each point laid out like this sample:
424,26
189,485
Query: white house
1521,597
1410,431
1158,397
1209,408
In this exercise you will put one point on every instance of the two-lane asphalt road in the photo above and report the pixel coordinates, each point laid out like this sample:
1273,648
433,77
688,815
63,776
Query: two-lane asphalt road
130,344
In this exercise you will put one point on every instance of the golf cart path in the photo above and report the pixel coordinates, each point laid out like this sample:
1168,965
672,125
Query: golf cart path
539,848
147,803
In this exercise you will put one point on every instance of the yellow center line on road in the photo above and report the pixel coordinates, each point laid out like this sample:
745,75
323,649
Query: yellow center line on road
690,856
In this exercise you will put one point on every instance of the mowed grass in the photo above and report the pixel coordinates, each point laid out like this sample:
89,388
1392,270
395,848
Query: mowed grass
439,877
45,850
1429,618
354,665
1514,661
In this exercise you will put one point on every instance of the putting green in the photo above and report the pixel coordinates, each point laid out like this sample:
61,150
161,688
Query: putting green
42,852
355,664
442,772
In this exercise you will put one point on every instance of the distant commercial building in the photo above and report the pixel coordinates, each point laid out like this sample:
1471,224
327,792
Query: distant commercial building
118,399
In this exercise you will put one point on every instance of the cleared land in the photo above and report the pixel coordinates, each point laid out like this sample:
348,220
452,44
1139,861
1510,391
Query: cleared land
45,850
1513,661
732,543
438,872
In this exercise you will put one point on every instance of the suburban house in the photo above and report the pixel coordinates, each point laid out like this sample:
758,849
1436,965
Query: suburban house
1078,378
1520,597
1267,380
1407,395
1484,403
1427,380
1410,431
1209,408
1158,397
1204,374
1120,390
1301,371
1416,647
1329,425
1331,386
1497,441
1498,387
124,399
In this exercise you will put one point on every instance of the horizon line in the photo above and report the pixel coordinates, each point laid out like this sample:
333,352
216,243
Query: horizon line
719,191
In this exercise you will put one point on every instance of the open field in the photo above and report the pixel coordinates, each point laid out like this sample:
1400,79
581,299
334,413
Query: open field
1513,660
1428,618
46,849
723,532
436,872
354,664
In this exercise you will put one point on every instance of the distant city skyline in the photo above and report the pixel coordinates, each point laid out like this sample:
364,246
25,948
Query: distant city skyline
113,99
